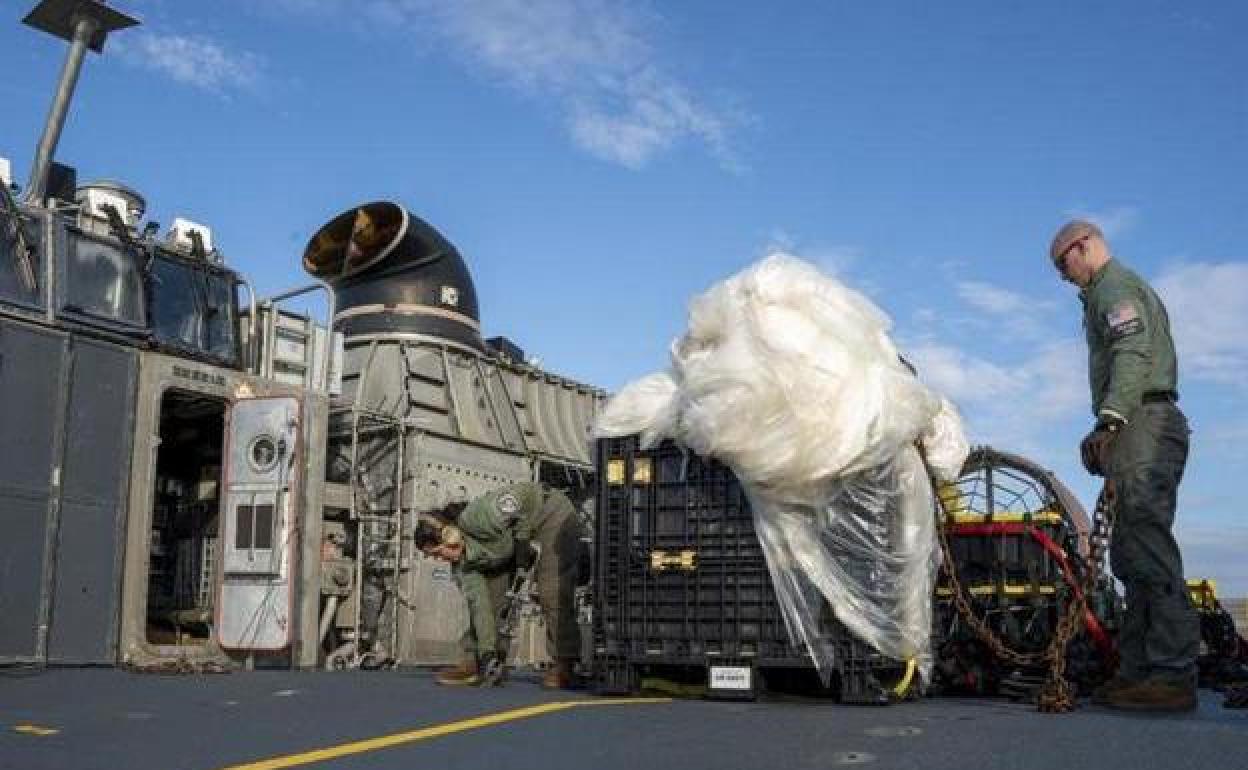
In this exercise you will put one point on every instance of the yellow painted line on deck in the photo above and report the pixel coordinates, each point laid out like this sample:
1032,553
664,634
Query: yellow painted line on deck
436,731
34,730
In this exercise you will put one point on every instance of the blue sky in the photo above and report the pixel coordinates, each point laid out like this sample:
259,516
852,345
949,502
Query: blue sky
599,163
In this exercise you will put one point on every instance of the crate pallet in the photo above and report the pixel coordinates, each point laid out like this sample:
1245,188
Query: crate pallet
682,584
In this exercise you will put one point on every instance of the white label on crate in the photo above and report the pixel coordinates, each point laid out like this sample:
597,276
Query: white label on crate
730,677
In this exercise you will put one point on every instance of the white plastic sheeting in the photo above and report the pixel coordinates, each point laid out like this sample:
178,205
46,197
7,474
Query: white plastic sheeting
790,378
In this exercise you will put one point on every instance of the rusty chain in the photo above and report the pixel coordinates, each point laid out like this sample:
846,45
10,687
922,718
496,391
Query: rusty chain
1056,695
178,666
967,614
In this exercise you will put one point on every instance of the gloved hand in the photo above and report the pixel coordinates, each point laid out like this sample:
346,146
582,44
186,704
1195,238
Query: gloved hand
1094,449
524,554
448,552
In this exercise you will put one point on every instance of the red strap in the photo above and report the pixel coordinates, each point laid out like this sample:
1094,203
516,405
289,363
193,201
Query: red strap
1099,637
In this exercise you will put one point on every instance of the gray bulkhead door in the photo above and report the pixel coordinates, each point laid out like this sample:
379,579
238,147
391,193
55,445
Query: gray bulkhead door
255,611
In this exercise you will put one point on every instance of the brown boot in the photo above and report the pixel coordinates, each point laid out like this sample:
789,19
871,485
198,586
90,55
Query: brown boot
1155,695
1102,694
558,676
466,674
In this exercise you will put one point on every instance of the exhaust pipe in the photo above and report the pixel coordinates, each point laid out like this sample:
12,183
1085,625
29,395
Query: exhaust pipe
393,274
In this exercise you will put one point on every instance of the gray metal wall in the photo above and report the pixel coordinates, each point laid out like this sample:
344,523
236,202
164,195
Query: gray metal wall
66,406
32,372
99,427
471,423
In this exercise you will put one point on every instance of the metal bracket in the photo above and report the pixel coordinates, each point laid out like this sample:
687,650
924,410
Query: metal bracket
686,561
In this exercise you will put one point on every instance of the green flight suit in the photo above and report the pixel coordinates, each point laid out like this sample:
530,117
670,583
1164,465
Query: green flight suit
1132,371
548,518
488,551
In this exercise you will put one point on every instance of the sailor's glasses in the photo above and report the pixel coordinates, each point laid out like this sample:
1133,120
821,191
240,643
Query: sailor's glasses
1060,261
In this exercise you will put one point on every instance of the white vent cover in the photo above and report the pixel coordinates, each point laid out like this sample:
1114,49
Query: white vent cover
95,204
95,196
180,234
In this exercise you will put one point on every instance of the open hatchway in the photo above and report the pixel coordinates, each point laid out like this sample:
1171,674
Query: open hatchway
181,587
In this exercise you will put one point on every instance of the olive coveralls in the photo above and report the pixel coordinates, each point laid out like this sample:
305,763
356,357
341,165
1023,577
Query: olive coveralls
488,551
1132,371
525,512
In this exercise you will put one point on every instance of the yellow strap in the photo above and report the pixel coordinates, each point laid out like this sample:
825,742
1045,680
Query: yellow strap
904,685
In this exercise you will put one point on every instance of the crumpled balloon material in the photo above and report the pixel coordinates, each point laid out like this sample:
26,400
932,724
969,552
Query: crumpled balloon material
790,378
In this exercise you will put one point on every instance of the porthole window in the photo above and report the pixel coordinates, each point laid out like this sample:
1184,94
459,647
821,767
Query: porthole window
263,453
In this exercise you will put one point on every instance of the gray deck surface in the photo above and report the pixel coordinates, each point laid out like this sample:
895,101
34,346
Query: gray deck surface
108,718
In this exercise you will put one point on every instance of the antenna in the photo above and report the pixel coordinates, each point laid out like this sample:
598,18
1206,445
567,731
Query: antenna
85,24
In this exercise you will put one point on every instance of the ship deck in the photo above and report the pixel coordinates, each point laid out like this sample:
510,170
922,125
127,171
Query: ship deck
81,719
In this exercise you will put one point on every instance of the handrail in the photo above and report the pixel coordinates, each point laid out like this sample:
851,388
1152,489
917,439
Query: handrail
329,336
253,362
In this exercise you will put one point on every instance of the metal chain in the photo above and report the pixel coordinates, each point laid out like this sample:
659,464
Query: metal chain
178,666
1056,695
967,614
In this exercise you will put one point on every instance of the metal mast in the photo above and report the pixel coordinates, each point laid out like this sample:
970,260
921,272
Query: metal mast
85,24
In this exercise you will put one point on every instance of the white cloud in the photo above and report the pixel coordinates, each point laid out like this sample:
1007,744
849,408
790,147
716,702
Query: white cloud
1007,312
925,317
654,114
1033,405
997,359
1114,221
966,379
1049,384
1056,377
539,43
780,240
593,59
991,299
834,260
194,60
1208,307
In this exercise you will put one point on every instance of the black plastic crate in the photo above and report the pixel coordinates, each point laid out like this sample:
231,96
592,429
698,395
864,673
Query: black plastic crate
681,582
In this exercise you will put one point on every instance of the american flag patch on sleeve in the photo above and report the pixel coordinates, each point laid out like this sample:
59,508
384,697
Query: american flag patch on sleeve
1123,319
